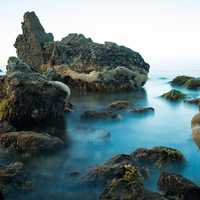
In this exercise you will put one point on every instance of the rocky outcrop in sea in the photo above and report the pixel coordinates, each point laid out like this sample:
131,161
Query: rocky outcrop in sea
78,61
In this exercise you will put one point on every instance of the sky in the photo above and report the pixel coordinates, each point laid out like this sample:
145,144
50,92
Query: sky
165,32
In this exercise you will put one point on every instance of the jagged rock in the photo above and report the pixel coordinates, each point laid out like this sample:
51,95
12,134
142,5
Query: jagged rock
186,81
174,95
30,142
176,186
78,61
28,98
145,110
159,156
31,42
119,105
95,115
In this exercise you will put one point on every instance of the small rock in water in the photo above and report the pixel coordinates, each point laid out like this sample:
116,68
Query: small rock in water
174,95
174,185
119,105
143,110
159,156
94,115
195,101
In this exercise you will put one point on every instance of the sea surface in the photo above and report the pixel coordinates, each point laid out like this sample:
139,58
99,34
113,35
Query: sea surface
89,145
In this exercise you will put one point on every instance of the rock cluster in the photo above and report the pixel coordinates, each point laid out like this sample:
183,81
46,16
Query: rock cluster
78,61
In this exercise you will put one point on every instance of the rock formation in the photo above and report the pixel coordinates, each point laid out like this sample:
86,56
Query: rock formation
78,61
28,98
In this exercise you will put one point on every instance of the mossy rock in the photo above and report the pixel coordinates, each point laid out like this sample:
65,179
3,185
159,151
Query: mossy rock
174,95
180,80
193,84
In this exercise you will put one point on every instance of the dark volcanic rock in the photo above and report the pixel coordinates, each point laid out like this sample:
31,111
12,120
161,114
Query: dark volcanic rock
78,61
174,95
160,156
28,98
30,142
178,186
94,115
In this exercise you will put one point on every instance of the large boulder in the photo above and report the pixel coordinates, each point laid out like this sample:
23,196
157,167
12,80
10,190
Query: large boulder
78,61
196,129
28,142
28,98
174,185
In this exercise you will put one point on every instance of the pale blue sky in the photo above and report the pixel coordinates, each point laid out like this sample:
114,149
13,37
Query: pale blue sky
165,32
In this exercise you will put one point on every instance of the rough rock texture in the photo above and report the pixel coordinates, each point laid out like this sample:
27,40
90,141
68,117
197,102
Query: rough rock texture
78,61
176,186
30,44
119,105
27,97
30,142
174,95
160,156
186,81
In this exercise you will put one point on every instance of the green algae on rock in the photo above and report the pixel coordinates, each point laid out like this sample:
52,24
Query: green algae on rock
174,95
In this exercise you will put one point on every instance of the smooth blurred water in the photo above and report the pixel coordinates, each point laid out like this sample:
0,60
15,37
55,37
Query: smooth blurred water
170,126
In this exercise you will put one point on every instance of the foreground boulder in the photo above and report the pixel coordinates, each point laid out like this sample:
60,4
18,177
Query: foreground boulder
78,61
28,98
30,142
186,81
174,95
159,156
176,186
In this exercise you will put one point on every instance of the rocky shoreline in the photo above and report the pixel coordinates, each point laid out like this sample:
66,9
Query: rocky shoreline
35,93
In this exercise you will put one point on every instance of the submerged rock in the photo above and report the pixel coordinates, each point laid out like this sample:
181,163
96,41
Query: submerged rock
28,98
144,110
174,95
78,61
97,115
159,156
195,101
30,142
176,186
119,105
186,81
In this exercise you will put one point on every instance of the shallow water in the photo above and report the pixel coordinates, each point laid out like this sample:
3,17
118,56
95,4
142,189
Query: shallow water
170,126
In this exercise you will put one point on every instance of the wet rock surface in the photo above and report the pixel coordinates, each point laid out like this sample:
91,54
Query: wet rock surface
178,187
119,105
145,110
78,61
30,142
159,156
187,82
174,95
196,129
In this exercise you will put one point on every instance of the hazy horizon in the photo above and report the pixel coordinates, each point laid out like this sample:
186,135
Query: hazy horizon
165,33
